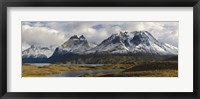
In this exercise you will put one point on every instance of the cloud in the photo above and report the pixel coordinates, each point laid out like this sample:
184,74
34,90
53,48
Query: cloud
46,33
25,46
43,36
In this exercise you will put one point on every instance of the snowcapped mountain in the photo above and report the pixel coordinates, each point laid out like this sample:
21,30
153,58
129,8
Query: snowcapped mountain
38,52
75,44
92,44
116,43
78,49
138,42
144,42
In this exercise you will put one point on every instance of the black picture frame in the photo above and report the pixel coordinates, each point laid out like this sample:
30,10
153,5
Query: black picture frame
99,3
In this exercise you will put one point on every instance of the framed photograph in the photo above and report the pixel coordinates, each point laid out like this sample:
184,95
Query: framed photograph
145,49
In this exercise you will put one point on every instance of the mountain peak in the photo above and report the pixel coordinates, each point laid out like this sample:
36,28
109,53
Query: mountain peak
143,34
32,46
82,37
134,42
122,34
35,46
74,37
37,51
143,37
74,45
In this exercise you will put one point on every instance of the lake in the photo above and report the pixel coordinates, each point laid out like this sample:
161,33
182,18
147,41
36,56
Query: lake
38,64
46,64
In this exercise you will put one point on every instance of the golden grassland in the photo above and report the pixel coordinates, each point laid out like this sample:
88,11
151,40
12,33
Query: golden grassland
35,71
150,69
148,73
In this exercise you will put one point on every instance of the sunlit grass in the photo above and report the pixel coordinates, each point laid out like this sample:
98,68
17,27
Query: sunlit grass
150,69
149,73
35,71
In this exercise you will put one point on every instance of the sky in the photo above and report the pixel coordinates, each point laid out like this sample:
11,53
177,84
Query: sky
48,33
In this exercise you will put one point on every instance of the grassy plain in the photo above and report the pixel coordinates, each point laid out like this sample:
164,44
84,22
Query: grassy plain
36,71
150,69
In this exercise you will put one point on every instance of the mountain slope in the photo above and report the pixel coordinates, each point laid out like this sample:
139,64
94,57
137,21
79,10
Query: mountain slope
144,42
116,43
138,42
76,49
74,45
37,54
43,52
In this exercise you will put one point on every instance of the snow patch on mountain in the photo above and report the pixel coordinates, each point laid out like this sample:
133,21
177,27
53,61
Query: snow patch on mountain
74,45
115,44
38,52
92,44
134,42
